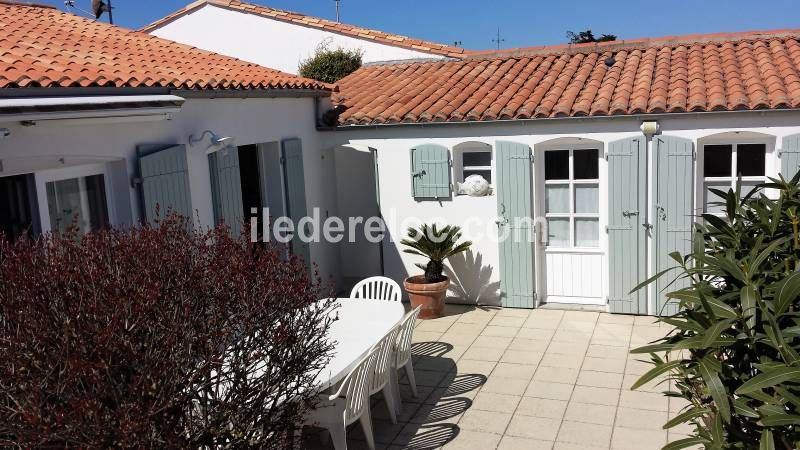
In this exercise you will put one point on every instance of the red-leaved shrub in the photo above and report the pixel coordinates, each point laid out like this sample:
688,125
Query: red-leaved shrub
157,337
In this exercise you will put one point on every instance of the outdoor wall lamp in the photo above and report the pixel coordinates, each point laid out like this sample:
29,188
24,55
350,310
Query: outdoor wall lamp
650,128
217,141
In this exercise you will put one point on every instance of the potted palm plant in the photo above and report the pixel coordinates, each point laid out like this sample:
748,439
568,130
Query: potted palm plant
429,290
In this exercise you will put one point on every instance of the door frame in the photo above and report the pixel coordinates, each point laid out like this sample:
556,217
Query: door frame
46,176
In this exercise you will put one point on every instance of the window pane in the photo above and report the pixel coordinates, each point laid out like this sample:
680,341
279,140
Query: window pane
486,174
556,165
750,160
558,232
587,198
556,198
748,186
587,233
717,160
710,197
79,201
472,159
586,164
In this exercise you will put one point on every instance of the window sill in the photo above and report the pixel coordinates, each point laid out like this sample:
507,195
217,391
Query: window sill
575,250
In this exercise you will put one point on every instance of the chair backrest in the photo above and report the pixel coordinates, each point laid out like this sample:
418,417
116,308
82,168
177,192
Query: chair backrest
404,334
377,288
383,363
355,387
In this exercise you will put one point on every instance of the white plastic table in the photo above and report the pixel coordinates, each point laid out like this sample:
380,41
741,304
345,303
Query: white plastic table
361,324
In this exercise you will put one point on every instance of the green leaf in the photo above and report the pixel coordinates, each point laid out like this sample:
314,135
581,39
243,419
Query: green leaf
713,333
788,290
728,266
758,260
766,442
779,420
655,372
684,417
685,443
717,432
749,298
715,386
651,279
769,379
741,408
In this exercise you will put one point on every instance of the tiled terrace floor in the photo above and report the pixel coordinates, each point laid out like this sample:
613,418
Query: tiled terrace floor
520,379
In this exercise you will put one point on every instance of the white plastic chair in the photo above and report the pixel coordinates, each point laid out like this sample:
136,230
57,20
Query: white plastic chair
381,378
377,288
402,354
350,403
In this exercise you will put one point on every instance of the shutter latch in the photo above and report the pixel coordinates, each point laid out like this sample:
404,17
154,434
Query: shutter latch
418,173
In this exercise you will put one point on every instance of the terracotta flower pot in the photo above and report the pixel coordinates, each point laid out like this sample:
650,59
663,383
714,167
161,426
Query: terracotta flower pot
428,295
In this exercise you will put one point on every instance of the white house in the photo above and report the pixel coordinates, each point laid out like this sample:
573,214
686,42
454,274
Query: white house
282,39
613,146
102,123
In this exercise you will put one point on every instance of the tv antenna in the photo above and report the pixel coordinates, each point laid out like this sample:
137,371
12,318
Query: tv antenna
338,14
498,40
98,8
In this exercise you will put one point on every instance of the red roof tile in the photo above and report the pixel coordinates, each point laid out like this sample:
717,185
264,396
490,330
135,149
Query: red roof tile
395,40
720,72
43,47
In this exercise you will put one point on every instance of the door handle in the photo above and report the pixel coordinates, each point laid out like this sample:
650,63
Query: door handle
647,226
630,213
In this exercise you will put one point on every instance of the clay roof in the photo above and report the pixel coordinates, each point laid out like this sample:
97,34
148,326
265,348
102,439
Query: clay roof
699,73
41,46
381,37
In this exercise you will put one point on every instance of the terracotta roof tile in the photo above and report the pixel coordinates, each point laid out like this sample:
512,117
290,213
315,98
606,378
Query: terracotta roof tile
720,72
315,22
43,47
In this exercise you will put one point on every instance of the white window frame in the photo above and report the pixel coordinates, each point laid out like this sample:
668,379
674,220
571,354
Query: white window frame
67,173
571,182
473,147
770,168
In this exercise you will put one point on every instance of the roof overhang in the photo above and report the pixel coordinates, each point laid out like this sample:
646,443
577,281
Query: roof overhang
34,109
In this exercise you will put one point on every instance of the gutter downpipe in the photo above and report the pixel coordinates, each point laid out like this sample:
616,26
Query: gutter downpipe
650,129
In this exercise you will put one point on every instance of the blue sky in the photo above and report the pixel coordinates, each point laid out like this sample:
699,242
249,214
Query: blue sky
522,22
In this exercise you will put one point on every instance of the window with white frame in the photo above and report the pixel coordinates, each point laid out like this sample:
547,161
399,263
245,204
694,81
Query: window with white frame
77,201
572,198
476,161
723,164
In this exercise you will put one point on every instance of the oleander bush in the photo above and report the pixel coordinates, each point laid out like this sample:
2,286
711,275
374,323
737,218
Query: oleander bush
734,354
155,337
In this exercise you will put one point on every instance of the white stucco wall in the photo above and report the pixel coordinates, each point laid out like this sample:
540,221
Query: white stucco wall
267,42
481,268
40,148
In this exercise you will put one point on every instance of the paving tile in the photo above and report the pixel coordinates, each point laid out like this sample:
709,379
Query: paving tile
426,336
507,370
619,319
469,366
549,390
505,321
492,401
600,379
416,436
658,385
453,338
607,351
493,330
580,316
474,440
519,443
584,434
604,364
677,405
632,439
590,413
521,357
488,421
542,407
428,378
637,365
492,342
539,428
640,419
511,386
514,312
466,328
482,354
572,336
529,345
431,325
644,400
570,446
556,375
596,395
568,348
541,322
561,360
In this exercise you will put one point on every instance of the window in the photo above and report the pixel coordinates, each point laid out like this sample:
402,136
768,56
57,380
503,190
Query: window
476,162
572,197
81,201
724,163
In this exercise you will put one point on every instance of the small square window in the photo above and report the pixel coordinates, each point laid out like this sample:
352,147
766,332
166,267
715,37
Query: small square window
557,198
556,165
473,159
558,232
586,164
750,160
717,160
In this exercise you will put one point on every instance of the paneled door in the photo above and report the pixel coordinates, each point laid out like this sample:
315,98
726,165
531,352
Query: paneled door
515,224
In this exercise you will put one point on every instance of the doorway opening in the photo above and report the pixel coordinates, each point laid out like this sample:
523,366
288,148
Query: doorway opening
18,209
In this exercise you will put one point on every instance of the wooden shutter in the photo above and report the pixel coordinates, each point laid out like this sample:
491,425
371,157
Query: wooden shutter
514,213
164,181
627,200
226,188
294,177
673,215
430,172
790,156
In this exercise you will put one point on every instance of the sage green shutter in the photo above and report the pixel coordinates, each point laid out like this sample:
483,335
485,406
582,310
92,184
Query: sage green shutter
790,156
226,188
164,181
515,220
673,216
430,172
294,179
627,200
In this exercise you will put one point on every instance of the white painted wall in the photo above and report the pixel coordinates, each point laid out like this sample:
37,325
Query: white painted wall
267,42
481,268
41,148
